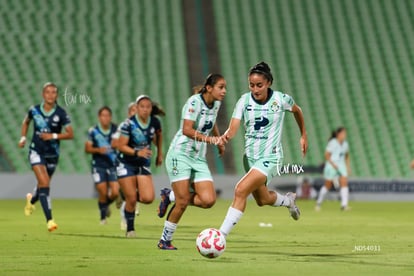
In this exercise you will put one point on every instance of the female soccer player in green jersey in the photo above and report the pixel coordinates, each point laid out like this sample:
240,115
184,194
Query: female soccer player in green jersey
337,168
262,111
186,158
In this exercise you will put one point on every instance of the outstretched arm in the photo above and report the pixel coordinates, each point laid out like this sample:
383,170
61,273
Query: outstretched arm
231,130
300,120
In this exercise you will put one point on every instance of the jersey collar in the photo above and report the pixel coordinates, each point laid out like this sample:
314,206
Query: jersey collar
141,124
101,129
209,107
269,96
47,113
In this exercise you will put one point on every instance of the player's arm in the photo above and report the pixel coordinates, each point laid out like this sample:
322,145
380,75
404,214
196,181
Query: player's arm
89,148
412,164
158,144
231,130
329,160
23,132
126,149
67,135
190,132
216,132
300,120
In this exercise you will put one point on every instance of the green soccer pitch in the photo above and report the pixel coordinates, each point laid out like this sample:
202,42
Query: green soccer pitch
372,239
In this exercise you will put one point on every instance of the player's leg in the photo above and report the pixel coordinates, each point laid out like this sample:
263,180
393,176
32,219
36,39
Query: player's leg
145,189
43,180
322,193
129,189
344,192
204,194
250,182
102,190
113,185
182,200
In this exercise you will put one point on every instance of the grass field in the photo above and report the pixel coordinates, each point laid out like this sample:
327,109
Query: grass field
328,242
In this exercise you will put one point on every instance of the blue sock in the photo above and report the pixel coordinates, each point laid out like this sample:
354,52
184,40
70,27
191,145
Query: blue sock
45,202
130,216
103,207
109,200
35,196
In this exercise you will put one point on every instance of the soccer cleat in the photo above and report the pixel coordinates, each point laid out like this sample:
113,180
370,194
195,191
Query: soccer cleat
51,225
166,245
137,209
103,222
293,209
346,208
29,208
317,208
165,201
118,202
123,224
131,234
108,212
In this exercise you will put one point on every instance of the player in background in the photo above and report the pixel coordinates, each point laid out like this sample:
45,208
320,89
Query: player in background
48,121
262,111
100,145
337,168
133,170
186,158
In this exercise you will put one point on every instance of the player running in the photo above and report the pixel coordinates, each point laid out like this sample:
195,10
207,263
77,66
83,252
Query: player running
186,158
337,168
48,120
262,111
100,145
133,170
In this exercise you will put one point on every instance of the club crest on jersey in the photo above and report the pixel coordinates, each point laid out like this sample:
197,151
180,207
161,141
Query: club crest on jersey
275,106
55,118
191,110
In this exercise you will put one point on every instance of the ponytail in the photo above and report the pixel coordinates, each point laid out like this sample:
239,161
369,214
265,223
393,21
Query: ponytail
211,80
336,132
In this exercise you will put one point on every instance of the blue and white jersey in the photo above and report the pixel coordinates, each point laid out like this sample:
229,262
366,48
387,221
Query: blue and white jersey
103,138
140,136
47,122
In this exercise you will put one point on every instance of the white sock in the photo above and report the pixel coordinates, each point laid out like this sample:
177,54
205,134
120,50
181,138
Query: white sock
322,194
232,218
122,209
344,191
281,200
172,196
168,231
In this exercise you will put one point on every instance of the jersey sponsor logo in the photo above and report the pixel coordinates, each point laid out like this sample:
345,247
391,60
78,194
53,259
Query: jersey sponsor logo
260,122
258,108
207,126
207,112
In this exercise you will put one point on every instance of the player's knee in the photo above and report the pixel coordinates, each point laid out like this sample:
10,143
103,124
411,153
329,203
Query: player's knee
208,202
240,192
146,199
260,202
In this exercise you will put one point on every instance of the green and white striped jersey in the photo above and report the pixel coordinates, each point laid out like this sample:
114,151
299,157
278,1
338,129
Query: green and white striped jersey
263,123
204,117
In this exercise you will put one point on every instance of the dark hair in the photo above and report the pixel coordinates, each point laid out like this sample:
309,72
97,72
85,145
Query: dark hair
157,110
262,68
104,108
211,80
336,132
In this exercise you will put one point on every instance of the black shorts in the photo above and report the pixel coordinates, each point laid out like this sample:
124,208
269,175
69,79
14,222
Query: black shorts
125,170
49,161
100,175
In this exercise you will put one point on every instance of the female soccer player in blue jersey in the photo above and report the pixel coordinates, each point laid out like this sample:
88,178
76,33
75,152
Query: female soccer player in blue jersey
100,145
262,111
48,120
337,168
133,170
186,158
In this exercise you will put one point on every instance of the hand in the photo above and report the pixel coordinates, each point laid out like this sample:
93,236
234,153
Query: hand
145,153
45,136
217,140
22,143
221,150
304,144
158,161
102,150
224,138
412,164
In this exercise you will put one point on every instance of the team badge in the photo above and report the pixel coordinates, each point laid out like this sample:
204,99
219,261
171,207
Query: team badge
55,118
275,106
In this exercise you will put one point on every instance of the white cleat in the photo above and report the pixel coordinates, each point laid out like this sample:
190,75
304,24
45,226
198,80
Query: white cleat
293,209
131,234
317,208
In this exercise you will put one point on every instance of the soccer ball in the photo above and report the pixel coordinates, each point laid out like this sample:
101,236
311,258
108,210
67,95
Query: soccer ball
211,243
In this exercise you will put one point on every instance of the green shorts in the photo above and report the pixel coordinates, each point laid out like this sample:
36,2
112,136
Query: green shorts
270,167
329,172
182,167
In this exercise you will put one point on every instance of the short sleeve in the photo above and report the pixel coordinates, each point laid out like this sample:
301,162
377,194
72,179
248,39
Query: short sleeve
65,118
156,124
30,113
191,109
287,102
124,128
238,109
90,134
331,146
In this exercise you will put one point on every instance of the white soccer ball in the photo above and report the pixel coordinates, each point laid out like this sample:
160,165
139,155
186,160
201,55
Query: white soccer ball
211,243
